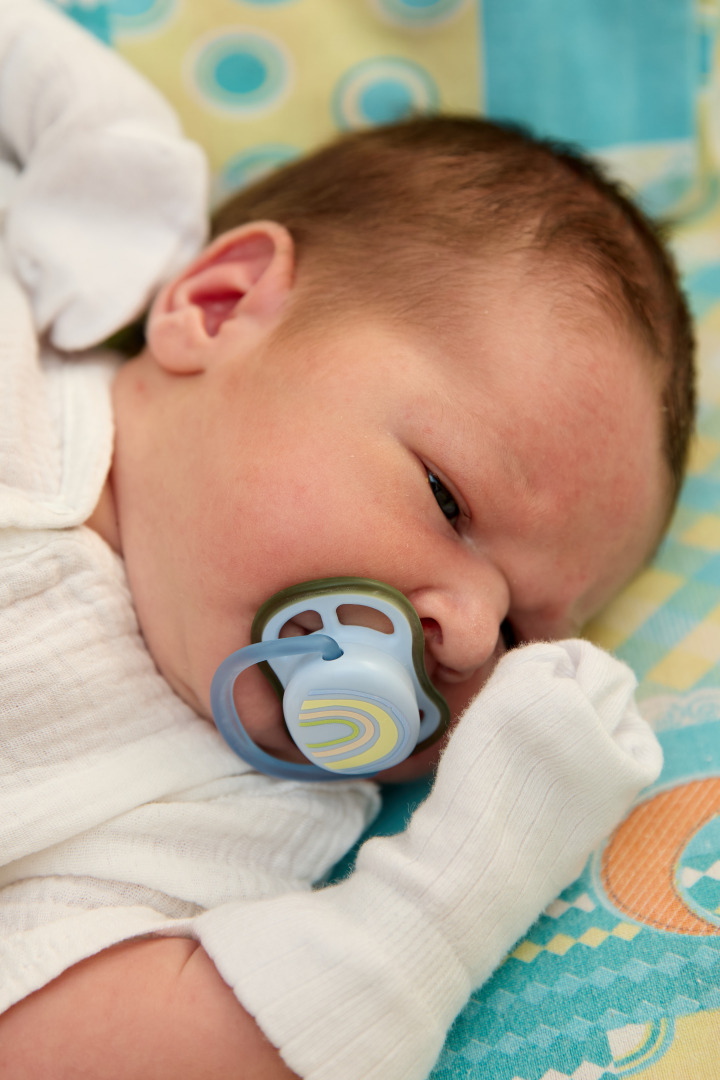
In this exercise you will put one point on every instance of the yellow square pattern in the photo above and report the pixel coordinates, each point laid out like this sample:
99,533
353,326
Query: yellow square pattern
641,599
594,936
704,533
680,669
703,451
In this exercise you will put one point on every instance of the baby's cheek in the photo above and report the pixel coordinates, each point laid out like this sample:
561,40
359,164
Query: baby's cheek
260,710
414,767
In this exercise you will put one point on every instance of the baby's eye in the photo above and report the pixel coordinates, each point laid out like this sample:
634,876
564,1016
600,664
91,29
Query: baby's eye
443,498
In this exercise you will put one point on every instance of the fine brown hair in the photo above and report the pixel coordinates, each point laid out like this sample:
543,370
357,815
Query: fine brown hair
384,218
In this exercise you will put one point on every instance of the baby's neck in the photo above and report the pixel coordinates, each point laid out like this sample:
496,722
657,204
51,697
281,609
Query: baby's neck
103,519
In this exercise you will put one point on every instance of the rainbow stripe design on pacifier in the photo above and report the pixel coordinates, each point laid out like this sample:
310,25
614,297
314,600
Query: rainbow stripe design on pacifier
375,728
356,698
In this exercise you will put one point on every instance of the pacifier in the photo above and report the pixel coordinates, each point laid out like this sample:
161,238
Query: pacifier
356,700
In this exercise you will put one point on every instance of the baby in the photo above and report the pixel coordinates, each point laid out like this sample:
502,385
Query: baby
442,356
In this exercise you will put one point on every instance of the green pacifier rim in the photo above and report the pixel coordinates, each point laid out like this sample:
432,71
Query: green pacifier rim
366,587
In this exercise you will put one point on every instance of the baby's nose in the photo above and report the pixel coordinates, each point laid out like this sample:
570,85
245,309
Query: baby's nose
462,625
459,672
457,661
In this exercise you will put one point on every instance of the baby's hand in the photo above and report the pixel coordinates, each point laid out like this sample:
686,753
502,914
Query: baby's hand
564,715
543,764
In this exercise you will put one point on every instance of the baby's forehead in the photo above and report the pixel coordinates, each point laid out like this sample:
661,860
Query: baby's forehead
545,354
521,304
538,339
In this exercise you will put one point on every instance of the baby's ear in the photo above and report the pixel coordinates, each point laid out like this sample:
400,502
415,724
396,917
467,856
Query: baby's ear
232,294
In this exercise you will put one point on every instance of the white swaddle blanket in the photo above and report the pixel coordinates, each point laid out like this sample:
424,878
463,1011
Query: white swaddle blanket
110,199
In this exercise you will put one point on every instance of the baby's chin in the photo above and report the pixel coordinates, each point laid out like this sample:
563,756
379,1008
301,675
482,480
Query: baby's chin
414,767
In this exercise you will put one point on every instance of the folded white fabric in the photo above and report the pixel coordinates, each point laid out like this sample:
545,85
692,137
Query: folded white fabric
363,979
110,200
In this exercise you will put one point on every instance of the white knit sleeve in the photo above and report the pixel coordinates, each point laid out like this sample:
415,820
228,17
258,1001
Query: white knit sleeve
110,199
363,979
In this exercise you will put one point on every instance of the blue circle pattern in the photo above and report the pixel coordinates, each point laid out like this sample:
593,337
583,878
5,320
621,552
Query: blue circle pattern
250,165
385,101
382,91
132,8
241,71
420,13
140,15
701,857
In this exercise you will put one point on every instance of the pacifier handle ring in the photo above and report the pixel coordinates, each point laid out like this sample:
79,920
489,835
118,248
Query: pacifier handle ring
226,716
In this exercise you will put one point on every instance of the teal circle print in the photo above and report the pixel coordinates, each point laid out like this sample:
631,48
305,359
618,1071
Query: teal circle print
240,71
383,91
140,16
250,165
697,874
419,13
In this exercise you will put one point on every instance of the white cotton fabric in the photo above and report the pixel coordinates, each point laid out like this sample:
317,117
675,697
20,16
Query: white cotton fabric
122,813
109,191
119,807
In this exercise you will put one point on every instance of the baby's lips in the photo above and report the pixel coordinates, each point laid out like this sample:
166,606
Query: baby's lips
441,673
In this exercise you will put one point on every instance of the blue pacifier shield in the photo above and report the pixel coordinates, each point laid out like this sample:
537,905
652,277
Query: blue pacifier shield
355,715
356,699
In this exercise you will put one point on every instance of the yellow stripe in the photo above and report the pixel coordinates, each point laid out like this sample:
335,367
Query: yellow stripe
333,717
361,721
388,738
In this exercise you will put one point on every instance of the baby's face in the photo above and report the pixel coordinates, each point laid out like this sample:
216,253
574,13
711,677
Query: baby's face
511,473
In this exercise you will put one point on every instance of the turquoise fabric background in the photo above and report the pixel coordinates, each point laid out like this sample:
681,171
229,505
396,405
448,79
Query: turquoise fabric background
596,72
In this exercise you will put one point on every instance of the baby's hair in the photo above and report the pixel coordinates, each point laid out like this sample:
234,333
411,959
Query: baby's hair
391,218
